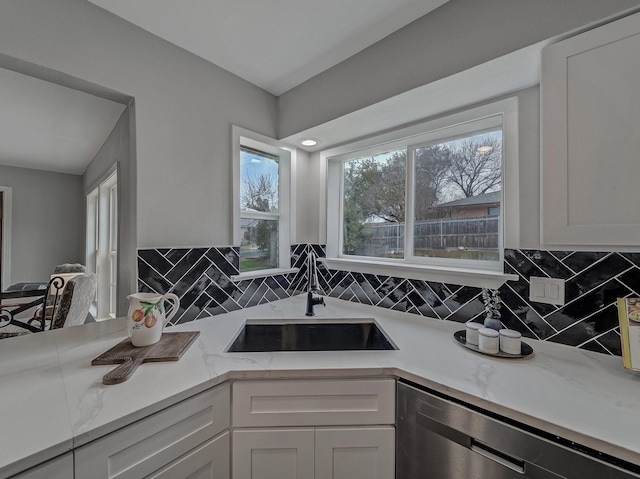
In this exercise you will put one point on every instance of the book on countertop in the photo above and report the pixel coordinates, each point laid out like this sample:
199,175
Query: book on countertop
629,316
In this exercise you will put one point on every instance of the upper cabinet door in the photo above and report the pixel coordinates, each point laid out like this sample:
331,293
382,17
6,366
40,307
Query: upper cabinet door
590,90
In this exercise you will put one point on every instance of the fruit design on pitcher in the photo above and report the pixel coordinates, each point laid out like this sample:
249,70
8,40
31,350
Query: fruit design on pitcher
145,315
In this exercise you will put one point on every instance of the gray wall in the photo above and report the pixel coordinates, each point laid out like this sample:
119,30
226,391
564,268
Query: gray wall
184,111
455,37
47,221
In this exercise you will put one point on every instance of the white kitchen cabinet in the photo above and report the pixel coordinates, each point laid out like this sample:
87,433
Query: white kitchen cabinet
59,468
167,444
273,453
590,127
209,461
313,428
355,453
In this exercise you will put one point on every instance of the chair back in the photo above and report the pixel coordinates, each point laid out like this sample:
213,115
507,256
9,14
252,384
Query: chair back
77,297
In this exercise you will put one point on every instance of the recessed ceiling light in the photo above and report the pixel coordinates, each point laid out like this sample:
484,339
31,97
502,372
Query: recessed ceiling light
309,142
484,149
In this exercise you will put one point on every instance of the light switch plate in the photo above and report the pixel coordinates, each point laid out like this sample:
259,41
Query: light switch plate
546,290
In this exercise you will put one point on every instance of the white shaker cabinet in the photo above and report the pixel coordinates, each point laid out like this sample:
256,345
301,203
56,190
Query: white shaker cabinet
323,453
590,122
58,468
355,453
322,429
187,440
283,453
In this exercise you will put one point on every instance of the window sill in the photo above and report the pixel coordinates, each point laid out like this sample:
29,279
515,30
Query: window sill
262,273
462,276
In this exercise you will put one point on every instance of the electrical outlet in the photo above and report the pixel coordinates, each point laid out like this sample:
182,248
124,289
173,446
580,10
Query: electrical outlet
546,290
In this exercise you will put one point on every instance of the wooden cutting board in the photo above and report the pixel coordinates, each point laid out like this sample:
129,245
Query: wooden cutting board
171,347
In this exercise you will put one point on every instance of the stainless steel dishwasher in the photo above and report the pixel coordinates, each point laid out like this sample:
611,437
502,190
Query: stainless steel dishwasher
439,438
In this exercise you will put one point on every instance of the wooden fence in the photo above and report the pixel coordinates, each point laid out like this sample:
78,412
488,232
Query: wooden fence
475,233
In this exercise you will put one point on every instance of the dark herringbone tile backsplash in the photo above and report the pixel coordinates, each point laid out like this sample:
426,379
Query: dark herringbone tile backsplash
202,279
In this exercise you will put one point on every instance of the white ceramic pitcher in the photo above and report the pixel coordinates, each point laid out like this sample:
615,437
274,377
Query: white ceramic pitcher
146,318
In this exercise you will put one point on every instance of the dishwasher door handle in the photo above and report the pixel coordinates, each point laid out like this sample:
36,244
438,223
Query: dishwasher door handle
443,430
500,457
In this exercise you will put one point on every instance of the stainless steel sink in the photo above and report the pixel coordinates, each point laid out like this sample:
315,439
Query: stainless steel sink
310,335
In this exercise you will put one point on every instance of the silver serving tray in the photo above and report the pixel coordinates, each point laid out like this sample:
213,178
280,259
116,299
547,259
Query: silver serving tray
526,351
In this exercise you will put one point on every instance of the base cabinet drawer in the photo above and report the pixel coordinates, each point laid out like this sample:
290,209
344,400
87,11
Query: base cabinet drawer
209,461
320,402
146,446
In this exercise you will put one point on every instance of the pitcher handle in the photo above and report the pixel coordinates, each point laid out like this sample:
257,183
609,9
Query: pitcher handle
172,298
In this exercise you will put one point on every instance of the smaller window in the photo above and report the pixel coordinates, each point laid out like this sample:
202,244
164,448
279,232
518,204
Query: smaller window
259,213
262,178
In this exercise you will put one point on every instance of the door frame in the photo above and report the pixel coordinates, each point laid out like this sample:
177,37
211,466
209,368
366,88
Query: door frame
6,236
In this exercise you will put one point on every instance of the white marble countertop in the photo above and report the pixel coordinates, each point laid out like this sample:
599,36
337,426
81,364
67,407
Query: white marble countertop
53,400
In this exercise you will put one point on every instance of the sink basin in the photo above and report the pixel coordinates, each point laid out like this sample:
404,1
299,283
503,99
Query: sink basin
310,335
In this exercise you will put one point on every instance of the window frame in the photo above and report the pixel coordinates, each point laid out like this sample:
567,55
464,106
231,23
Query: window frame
481,273
286,208
101,249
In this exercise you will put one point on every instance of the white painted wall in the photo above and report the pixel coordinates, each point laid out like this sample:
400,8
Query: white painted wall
184,111
47,222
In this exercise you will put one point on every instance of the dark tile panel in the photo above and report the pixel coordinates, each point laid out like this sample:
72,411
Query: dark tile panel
548,263
579,260
595,275
586,305
185,264
224,262
175,255
528,316
612,342
632,257
152,278
156,260
582,331
595,346
521,263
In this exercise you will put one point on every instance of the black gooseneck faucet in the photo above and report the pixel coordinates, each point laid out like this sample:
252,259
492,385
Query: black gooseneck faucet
312,285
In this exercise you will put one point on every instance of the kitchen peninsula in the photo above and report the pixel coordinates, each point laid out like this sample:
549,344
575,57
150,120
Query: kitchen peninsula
54,401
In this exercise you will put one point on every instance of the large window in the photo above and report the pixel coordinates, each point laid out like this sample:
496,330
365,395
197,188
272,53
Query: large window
433,198
262,206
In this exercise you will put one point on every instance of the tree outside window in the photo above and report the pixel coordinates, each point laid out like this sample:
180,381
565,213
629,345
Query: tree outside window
259,209
455,196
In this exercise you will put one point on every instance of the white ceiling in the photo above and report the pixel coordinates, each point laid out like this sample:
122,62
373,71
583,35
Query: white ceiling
45,126
275,44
